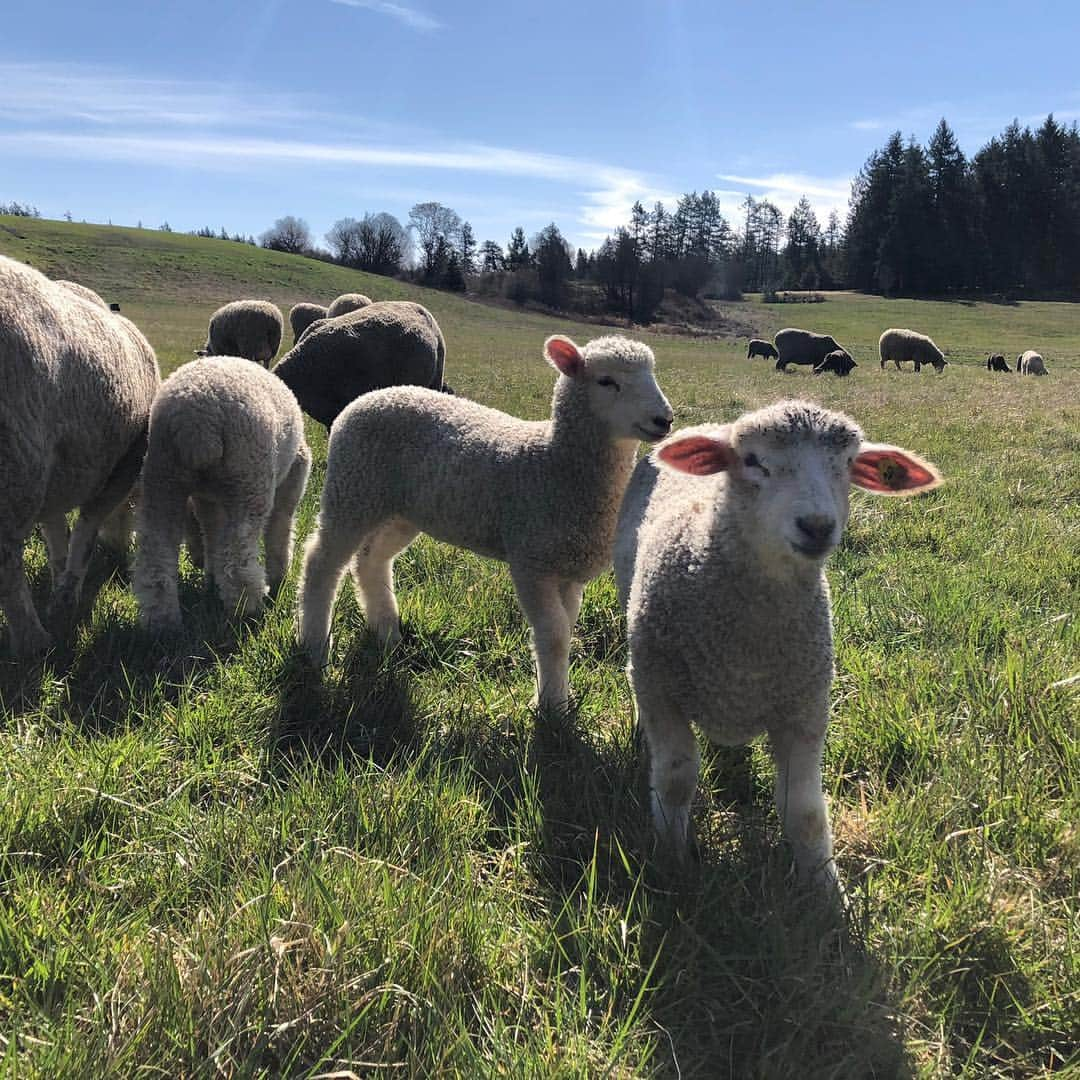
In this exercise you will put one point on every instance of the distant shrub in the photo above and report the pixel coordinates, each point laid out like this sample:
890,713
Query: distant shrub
771,296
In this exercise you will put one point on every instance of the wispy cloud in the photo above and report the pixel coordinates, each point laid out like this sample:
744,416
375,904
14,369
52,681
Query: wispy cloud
867,125
785,189
417,20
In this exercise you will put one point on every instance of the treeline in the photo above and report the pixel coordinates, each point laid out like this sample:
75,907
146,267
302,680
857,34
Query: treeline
929,221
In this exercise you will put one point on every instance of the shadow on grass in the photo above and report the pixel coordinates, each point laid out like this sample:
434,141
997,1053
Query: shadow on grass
751,976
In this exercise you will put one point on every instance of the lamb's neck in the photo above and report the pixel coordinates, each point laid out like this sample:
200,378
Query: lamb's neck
577,435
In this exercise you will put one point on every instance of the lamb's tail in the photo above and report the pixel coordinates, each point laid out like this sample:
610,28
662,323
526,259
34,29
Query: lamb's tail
196,439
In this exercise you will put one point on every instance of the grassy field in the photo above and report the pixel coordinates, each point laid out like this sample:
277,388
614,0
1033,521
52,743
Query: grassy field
213,864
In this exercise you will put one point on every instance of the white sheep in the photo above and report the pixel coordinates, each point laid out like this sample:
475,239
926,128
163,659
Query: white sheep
247,328
719,557
900,345
84,291
346,302
542,496
78,383
228,436
1030,363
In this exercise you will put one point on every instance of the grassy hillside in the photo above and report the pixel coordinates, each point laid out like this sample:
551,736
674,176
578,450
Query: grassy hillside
211,862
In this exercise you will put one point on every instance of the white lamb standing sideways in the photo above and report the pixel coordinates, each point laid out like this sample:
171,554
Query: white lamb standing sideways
542,496
77,386
228,436
719,557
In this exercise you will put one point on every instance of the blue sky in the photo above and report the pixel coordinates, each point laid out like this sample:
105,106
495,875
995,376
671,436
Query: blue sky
234,114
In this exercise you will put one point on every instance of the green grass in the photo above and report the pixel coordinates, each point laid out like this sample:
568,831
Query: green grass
211,864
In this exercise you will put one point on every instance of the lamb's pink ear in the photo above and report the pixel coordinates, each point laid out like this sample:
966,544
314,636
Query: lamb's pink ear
699,455
563,355
889,470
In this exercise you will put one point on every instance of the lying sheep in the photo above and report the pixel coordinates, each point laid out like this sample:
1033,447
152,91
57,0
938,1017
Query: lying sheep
719,557
247,328
900,345
78,383
392,343
228,436
1030,363
838,362
346,302
542,496
802,347
301,316
84,291
757,347
997,362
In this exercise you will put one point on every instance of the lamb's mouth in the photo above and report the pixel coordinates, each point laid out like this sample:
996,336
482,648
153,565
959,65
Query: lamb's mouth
647,435
812,551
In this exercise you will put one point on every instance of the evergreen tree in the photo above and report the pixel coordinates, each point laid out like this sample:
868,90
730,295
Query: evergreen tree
518,256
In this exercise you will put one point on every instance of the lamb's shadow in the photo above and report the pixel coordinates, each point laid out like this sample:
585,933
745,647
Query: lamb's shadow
104,672
748,969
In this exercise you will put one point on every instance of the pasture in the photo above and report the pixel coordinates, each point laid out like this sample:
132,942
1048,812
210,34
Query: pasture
211,863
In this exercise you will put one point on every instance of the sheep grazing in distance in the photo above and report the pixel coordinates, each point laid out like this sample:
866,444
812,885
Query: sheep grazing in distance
84,291
1030,363
719,556
391,343
997,362
346,302
301,316
78,383
247,328
900,345
802,347
228,436
838,362
757,347
542,496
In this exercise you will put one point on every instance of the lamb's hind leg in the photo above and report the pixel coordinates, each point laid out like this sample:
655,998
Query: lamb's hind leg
325,556
55,531
541,598
373,577
28,636
241,582
279,529
91,516
800,803
162,511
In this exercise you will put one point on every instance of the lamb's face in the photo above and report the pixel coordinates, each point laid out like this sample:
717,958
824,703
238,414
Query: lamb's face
794,490
790,468
617,377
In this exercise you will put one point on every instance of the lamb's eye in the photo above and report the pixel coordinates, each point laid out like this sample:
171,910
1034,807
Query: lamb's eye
607,380
752,461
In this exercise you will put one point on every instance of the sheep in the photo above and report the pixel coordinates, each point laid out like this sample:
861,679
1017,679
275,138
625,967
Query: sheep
838,362
226,442
78,383
84,291
301,316
392,343
1030,363
542,496
346,302
900,345
247,328
997,362
802,347
719,557
757,347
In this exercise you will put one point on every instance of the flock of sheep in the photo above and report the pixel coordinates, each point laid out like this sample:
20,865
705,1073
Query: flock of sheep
794,346
718,537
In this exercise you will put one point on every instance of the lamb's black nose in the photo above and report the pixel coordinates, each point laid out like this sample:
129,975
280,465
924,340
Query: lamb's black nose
662,422
817,528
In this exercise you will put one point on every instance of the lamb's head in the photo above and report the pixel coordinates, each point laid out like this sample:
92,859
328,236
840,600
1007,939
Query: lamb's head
615,376
790,467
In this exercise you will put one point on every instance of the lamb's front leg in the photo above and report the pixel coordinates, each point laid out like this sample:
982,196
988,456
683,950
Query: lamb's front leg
541,599
800,802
